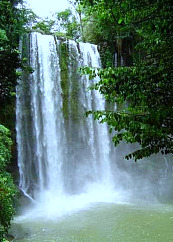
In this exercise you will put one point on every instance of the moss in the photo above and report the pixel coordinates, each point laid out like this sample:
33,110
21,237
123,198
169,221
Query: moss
75,87
70,83
64,59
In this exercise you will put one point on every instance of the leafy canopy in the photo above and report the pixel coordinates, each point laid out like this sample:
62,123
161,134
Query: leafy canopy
11,27
144,87
62,24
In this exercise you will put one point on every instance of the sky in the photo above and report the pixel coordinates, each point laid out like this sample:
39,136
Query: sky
44,8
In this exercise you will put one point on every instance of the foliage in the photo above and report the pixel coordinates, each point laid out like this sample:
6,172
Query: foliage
91,32
99,27
45,25
67,22
102,15
12,20
7,188
30,19
145,87
11,26
63,24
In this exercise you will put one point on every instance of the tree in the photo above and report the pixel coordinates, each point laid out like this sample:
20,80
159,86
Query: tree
145,86
68,23
7,187
63,24
11,26
44,25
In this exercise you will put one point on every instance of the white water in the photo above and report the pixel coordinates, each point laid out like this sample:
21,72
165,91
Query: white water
66,161
64,164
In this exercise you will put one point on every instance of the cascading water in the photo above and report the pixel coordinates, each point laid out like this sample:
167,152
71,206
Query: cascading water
61,152
67,161
40,152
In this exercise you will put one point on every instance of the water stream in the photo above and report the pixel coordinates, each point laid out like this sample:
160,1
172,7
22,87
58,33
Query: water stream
69,169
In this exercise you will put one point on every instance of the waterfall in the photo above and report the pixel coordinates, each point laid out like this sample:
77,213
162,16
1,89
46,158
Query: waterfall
67,160
60,151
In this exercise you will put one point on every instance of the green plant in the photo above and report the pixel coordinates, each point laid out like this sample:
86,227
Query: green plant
11,27
145,86
7,187
68,24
